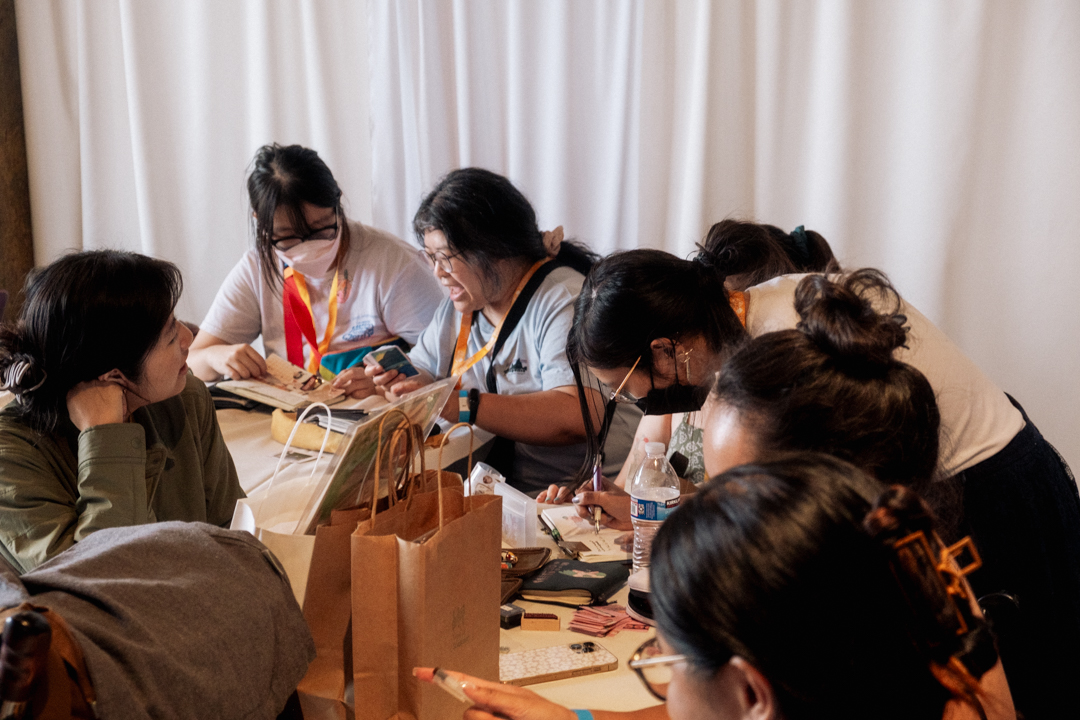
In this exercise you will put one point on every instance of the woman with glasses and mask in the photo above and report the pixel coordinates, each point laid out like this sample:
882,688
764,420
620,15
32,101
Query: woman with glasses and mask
503,328
746,254
322,290
857,610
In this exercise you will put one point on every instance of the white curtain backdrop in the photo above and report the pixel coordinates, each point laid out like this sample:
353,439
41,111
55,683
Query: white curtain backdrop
936,139
143,117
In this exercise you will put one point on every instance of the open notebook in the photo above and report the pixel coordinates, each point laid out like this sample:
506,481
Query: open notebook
283,387
579,534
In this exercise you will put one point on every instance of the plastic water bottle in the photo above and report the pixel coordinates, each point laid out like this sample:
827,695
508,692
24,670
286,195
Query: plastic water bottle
654,494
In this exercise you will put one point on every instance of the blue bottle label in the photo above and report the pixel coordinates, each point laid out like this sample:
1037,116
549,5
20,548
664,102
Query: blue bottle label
641,509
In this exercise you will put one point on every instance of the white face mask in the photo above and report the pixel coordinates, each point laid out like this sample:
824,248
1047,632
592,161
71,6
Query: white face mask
313,258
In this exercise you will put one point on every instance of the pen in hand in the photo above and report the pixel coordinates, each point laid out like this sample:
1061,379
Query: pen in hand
598,486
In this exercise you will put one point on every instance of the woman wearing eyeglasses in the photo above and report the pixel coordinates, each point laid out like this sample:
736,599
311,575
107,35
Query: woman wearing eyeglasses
321,290
503,328
747,254
856,610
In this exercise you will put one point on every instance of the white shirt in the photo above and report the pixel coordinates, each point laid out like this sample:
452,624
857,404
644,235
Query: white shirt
384,290
977,419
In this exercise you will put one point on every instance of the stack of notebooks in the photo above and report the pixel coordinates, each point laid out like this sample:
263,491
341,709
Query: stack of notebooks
575,583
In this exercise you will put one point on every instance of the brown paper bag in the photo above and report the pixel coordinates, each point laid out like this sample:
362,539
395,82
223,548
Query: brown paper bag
344,580
326,690
434,602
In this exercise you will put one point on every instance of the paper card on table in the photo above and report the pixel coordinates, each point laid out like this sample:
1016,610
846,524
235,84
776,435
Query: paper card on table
572,528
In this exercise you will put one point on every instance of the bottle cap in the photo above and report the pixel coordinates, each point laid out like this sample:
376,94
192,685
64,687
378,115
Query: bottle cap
655,448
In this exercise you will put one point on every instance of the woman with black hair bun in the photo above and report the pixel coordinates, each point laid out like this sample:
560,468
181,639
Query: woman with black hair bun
996,478
503,328
320,289
800,588
836,384
108,428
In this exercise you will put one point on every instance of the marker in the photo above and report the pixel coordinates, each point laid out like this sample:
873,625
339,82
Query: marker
450,685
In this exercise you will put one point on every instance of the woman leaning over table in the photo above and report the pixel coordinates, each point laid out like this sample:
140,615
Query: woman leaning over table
108,427
841,618
746,254
322,290
480,237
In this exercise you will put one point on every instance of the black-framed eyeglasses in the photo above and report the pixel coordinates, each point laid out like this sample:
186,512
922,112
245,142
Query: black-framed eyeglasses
439,260
653,667
328,232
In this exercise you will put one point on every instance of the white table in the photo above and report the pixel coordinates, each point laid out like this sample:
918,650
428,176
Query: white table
617,690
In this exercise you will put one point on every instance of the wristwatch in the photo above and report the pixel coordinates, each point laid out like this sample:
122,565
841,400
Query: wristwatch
468,403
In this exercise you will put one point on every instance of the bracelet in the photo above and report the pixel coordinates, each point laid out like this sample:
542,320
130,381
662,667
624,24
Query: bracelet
474,405
583,714
463,406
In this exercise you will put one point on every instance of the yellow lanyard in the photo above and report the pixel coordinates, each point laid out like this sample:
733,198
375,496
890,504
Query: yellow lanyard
332,303
460,363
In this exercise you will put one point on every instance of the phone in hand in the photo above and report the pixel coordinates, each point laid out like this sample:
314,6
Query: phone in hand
390,357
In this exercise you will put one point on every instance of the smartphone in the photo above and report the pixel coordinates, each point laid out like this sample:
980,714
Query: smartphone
555,663
390,357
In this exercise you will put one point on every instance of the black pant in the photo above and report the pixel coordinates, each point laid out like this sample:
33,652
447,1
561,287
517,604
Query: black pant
1022,509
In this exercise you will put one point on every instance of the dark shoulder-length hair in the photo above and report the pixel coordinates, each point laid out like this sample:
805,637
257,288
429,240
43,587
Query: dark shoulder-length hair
286,177
486,219
794,565
84,315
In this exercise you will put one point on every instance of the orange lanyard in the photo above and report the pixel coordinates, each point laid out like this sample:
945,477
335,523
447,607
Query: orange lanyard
460,363
324,345
737,300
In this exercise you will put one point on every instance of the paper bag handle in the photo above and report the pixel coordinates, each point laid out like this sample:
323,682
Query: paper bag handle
390,490
442,444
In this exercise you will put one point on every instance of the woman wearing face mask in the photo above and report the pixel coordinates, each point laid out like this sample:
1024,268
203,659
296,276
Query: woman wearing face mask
747,254
503,328
321,290
852,612
108,427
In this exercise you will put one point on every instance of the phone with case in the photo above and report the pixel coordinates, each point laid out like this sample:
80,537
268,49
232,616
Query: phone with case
390,357
555,663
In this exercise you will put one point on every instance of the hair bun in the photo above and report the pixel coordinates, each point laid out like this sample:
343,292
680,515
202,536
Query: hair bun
841,318
898,512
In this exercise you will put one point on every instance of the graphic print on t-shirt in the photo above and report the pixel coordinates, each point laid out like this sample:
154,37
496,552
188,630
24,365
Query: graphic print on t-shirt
362,328
516,368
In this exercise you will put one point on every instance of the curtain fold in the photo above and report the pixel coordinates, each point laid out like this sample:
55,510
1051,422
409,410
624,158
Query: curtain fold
936,140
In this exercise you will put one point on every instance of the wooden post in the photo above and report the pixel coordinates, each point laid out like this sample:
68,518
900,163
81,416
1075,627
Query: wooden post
16,240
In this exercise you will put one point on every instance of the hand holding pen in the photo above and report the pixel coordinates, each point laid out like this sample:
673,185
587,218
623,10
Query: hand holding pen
597,486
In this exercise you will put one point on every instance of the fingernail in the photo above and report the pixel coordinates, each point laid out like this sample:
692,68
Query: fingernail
576,500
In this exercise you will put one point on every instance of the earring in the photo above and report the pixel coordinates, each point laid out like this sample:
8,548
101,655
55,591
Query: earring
686,360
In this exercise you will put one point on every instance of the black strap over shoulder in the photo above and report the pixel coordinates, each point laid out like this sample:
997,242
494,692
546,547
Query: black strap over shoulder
517,311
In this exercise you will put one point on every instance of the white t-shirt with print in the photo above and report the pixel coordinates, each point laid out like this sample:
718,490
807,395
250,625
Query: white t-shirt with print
384,290
977,419
532,359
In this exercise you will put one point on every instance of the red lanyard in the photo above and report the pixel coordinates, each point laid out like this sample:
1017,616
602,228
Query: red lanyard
300,320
